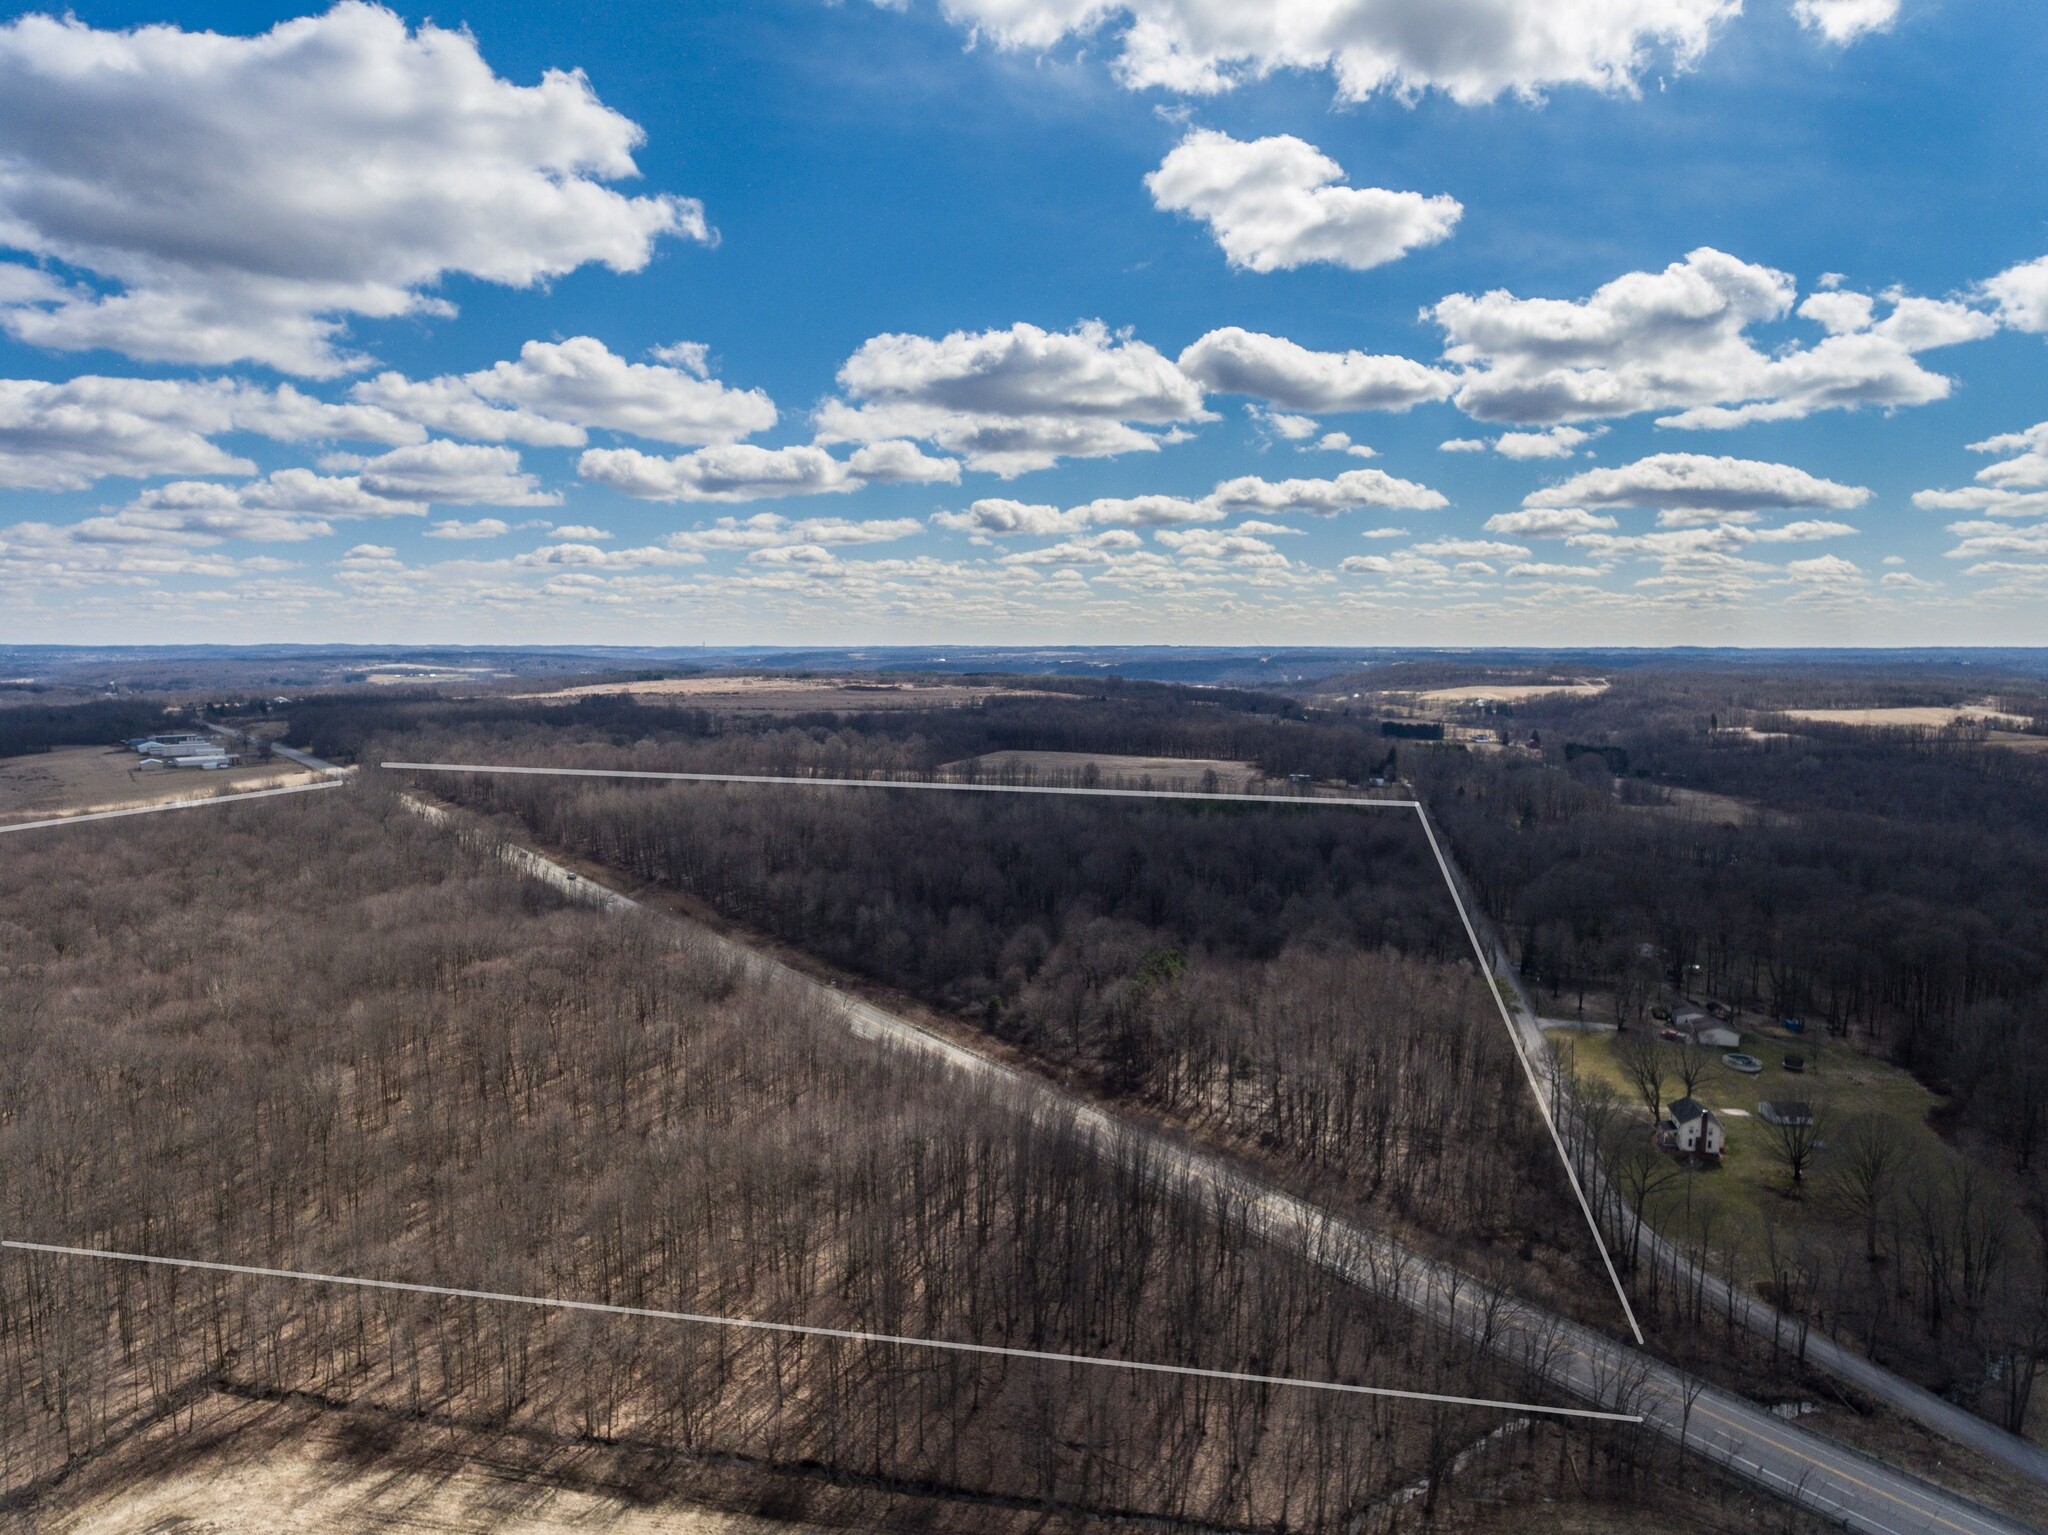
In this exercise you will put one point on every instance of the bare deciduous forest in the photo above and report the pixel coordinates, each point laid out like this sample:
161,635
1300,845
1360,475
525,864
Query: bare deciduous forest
1286,977
326,1036
1888,885
339,1039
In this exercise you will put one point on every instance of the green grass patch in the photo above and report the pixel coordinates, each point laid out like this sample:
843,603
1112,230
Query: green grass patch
1749,1189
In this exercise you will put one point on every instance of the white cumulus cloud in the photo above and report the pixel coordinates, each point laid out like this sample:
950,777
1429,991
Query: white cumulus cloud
1678,340
770,530
743,472
65,436
1825,570
1010,401
998,517
1699,482
1238,361
2015,486
1473,50
2021,294
1277,203
1472,549
557,389
454,473
1555,442
1349,491
242,197
1354,490
482,527
1843,21
1554,522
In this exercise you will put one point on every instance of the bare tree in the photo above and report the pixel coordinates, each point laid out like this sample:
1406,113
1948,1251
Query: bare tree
1645,1062
1691,1061
1868,1154
1796,1135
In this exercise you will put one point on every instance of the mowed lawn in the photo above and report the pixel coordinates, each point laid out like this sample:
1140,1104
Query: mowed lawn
1751,1183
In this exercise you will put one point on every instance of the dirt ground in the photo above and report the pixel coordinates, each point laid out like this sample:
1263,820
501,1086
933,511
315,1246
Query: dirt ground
250,1468
81,778
301,1491
1162,771
794,695
237,1467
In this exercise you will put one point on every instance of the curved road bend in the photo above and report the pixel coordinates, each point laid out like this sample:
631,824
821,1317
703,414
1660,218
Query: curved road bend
1916,1402
1826,1478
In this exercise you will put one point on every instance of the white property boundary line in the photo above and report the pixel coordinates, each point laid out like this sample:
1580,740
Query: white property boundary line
1358,803
800,1330
230,798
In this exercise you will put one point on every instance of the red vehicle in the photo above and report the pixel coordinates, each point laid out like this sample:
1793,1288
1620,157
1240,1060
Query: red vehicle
1671,1034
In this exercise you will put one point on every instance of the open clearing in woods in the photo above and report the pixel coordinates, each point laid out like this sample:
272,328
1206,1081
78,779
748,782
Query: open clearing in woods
81,778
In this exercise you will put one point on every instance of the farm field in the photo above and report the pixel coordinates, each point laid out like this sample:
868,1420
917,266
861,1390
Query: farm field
73,780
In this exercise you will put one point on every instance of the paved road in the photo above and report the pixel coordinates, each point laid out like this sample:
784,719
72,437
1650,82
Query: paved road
1916,1402
176,804
278,748
1815,1473
335,779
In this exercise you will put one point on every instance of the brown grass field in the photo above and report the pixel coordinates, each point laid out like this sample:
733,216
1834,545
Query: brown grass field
75,779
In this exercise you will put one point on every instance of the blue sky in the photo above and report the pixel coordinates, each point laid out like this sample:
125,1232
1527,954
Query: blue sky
1027,320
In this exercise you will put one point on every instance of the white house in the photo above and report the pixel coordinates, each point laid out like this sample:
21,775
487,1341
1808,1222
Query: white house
1692,1130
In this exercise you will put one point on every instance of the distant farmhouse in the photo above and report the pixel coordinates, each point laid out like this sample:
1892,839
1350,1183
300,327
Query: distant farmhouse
182,749
1692,1130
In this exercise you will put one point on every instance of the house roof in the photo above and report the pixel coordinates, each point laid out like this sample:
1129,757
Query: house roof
1688,1109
